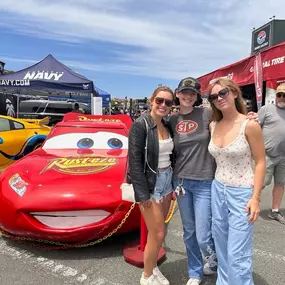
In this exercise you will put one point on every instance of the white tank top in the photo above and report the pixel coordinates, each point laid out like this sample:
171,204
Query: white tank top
234,161
165,149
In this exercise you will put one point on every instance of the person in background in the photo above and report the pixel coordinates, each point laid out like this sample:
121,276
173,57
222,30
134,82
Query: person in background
192,178
150,160
106,111
115,111
174,111
76,108
236,189
272,120
144,111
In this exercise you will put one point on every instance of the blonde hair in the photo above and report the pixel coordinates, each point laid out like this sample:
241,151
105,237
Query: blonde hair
234,88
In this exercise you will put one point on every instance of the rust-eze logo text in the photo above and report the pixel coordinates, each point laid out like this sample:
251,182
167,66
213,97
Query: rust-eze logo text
80,165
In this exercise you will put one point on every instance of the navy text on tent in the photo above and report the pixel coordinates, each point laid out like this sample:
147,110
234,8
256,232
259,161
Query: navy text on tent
48,76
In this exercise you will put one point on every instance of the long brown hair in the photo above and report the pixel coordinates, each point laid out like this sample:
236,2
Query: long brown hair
158,89
234,88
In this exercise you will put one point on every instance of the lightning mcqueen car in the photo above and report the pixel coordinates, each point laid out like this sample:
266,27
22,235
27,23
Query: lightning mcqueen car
70,189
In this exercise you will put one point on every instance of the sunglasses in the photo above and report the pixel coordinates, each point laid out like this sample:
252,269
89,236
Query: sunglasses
212,98
160,101
280,94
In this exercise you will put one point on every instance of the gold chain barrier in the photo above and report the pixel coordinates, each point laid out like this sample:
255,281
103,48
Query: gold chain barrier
62,245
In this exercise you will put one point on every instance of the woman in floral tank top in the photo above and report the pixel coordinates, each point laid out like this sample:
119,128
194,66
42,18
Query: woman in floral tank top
236,189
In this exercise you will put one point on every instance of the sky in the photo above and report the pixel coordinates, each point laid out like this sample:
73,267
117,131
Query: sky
129,47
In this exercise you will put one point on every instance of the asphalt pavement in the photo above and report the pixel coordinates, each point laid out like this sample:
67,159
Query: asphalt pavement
104,264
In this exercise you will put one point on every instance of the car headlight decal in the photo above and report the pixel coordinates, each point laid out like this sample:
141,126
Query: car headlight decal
18,184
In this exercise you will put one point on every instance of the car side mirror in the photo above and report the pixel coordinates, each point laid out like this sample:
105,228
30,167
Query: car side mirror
1,141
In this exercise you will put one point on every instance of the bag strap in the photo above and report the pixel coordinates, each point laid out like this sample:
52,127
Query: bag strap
145,152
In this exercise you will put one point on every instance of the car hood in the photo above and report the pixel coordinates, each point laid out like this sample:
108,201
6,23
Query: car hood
58,179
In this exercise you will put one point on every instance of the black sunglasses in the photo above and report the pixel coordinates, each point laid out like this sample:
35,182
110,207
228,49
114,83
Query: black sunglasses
212,98
280,94
160,101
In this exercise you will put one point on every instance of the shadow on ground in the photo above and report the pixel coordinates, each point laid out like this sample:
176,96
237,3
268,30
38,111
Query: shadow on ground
258,280
111,247
176,273
264,214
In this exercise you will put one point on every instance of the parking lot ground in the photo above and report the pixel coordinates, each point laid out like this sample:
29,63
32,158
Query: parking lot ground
104,264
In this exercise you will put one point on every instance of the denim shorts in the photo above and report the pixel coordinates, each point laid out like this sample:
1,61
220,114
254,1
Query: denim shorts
163,185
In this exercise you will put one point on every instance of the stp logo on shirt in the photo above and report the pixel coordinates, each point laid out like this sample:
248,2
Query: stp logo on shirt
186,127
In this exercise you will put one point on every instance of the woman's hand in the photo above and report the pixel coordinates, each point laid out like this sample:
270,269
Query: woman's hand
253,116
252,209
145,204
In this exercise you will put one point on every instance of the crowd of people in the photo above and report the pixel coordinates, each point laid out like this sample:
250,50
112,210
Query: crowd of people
217,160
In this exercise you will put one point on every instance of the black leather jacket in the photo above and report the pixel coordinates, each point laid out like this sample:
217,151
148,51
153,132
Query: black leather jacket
144,181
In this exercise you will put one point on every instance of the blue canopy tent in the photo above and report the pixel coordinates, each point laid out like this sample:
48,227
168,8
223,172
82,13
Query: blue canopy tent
48,76
52,79
106,97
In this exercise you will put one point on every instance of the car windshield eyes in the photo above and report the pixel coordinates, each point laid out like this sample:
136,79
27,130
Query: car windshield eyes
115,143
85,143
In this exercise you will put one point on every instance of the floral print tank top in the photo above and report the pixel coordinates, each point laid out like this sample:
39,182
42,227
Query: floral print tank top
234,161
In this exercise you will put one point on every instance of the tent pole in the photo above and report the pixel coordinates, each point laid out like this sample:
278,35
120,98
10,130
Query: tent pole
18,104
92,103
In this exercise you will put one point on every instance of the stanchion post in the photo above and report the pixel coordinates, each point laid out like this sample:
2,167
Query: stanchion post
134,253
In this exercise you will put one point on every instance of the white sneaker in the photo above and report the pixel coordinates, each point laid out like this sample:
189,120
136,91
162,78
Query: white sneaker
161,278
194,281
207,270
151,280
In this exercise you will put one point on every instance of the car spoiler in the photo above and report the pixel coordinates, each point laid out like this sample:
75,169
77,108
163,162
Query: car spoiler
41,122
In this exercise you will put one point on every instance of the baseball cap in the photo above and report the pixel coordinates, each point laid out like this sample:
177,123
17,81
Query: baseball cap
189,83
281,88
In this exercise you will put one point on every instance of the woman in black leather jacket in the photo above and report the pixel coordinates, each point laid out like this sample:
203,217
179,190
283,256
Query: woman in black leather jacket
150,160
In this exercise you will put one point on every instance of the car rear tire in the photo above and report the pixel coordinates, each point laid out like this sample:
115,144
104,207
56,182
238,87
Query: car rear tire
37,145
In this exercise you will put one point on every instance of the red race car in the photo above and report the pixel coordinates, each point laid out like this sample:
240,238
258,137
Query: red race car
70,189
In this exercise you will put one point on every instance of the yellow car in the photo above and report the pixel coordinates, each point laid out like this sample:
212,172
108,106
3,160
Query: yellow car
19,137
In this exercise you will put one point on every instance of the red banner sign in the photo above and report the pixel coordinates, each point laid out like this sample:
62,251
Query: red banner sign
242,72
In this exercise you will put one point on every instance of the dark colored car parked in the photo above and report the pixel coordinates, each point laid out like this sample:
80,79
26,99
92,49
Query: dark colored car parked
55,110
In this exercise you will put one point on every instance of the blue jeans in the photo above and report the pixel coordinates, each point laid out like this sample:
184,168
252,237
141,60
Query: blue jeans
195,211
232,234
